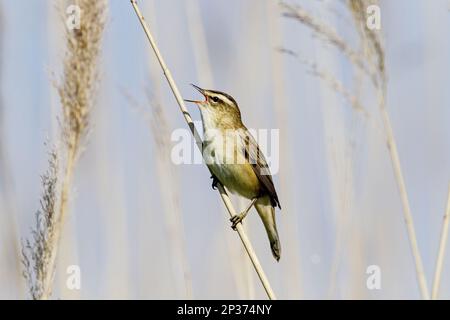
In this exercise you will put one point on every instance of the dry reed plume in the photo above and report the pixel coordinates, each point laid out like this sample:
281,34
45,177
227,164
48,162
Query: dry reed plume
76,91
36,251
370,60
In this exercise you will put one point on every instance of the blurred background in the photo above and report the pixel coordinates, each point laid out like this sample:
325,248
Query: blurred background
141,227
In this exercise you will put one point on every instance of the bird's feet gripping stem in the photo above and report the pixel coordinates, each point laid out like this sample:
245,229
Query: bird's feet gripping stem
214,182
235,220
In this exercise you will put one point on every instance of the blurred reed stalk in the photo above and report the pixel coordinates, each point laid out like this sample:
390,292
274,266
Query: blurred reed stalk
225,198
197,36
371,61
441,251
280,104
168,183
77,92
168,178
10,275
170,194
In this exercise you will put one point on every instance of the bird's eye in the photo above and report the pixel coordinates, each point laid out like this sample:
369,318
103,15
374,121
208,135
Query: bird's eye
215,99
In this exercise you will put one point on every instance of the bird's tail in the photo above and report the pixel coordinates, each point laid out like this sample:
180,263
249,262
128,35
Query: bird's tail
267,214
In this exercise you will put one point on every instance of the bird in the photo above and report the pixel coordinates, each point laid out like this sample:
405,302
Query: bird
236,161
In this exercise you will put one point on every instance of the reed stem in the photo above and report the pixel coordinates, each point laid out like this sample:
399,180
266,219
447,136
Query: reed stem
407,215
441,252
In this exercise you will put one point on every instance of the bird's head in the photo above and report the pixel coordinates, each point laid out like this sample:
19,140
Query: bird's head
220,106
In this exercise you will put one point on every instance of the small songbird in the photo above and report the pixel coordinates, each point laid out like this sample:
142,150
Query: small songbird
235,160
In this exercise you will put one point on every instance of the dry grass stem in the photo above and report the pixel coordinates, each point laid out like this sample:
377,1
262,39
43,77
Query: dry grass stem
246,242
10,249
395,159
441,251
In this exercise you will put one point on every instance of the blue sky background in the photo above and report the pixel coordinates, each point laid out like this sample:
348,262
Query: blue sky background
341,209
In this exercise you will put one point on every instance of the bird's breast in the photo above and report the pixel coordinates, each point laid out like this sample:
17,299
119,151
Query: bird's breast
225,157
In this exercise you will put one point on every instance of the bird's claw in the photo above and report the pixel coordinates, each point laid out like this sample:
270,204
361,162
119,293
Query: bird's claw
235,220
214,182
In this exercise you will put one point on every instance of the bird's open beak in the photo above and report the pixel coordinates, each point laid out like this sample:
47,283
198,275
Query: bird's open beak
199,90
194,101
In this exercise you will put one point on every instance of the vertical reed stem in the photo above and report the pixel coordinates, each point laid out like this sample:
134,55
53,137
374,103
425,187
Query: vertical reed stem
395,159
441,252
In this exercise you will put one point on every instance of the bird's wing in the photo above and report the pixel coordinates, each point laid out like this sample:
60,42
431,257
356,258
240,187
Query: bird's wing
259,164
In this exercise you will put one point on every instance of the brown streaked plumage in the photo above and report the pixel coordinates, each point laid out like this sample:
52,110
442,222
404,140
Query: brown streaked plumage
235,159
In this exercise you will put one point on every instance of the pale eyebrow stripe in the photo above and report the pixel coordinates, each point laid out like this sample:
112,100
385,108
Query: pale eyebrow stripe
222,97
